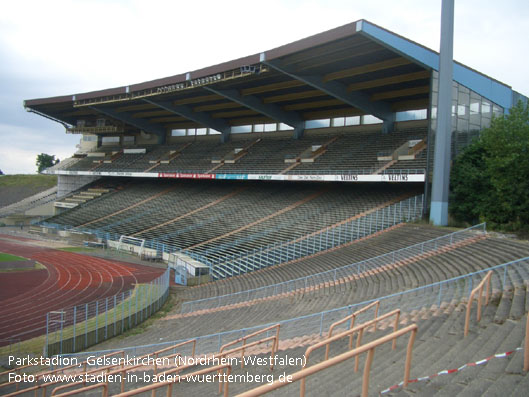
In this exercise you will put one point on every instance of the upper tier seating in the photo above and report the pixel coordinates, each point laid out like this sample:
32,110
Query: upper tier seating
349,152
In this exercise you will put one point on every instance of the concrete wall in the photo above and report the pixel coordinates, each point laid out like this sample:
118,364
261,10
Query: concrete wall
68,183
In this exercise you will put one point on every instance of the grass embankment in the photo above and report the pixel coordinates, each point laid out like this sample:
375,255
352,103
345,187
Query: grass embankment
35,180
14,188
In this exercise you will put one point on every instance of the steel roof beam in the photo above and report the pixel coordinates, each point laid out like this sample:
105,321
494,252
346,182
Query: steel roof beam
270,110
198,117
150,128
339,91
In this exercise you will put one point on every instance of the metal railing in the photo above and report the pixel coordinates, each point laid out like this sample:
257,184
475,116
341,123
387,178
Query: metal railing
369,348
425,297
228,265
526,346
343,233
477,290
351,318
75,328
333,275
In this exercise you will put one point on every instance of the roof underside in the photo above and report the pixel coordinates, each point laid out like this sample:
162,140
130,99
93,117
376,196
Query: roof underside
342,72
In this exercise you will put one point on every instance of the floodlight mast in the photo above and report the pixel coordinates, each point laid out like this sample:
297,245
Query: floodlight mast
443,133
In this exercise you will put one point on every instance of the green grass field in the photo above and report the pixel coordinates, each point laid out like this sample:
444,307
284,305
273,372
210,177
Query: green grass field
10,258
44,181
76,249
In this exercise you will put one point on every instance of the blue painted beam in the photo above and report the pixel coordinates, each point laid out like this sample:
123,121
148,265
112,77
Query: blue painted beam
151,128
198,117
491,89
271,110
339,91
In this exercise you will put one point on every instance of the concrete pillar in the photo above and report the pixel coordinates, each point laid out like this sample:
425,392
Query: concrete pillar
443,135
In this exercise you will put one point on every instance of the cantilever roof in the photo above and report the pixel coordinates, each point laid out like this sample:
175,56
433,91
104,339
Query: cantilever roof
358,68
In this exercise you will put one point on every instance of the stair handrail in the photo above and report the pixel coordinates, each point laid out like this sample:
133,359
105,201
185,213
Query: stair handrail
478,290
369,347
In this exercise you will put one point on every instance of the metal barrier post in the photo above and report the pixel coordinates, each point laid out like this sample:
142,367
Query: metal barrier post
526,346
97,315
86,326
136,309
47,332
106,318
74,325
115,309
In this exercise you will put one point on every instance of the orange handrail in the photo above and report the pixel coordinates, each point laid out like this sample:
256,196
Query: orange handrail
193,341
351,317
257,342
360,329
158,352
43,386
369,347
87,388
169,384
243,339
526,351
17,372
478,289
116,371
15,369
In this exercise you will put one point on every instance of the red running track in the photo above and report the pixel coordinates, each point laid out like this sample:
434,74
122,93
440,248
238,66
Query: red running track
69,279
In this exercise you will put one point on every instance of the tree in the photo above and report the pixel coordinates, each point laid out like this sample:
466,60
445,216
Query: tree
469,184
489,180
45,161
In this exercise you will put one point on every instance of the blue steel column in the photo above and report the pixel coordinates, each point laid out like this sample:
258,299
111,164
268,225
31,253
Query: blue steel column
443,134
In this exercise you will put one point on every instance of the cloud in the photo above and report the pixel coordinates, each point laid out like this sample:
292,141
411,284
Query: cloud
63,47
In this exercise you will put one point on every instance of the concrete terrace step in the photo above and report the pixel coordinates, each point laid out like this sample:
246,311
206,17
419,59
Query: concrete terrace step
379,284
360,250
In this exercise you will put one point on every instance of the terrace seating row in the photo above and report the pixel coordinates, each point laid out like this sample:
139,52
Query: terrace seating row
219,218
460,261
380,244
344,152
437,330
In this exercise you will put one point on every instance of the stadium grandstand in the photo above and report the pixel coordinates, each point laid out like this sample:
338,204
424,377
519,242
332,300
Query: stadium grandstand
277,193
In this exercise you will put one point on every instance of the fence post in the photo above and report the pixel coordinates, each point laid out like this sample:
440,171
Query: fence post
97,315
86,326
47,332
115,309
123,312
62,326
321,324
136,305
74,324
106,318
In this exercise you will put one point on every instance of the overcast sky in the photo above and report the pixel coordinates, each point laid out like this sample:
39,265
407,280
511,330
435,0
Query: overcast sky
63,47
